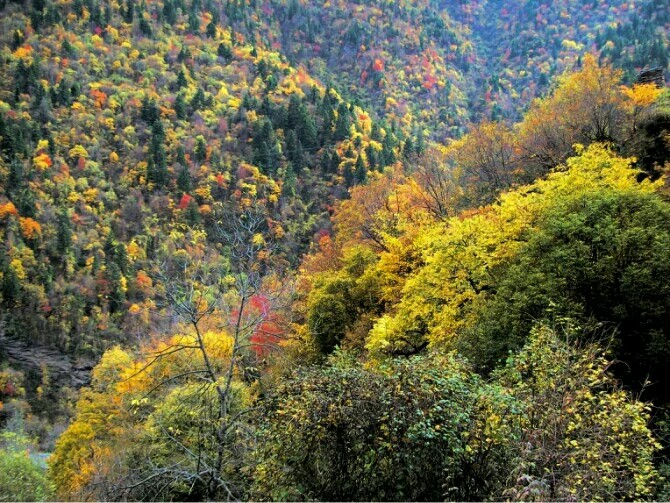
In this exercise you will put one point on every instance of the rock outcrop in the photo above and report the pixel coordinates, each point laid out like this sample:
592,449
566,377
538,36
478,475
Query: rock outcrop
651,76
62,369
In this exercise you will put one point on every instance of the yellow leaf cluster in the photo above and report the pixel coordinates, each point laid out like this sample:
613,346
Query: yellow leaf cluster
42,162
78,151
7,209
642,95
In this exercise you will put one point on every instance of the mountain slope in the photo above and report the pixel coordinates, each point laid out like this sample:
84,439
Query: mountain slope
439,65
123,124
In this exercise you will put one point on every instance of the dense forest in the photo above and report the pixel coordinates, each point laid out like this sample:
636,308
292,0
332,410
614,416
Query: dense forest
342,250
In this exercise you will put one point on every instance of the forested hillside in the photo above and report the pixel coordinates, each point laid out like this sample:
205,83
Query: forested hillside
119,132
438,65
334,250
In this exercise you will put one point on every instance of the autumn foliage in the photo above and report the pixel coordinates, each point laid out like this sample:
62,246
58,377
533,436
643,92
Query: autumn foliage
377,250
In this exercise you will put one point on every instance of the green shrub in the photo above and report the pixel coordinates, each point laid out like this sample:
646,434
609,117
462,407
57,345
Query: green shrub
21,477
420,429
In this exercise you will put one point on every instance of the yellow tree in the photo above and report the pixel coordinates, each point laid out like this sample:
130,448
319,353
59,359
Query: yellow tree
487,161
464,257
648,132
370,213
587,106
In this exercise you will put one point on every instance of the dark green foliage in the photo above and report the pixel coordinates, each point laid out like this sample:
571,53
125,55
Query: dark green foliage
266,152
650,139
327,320
360,171
181,79
299,119
157,171
17,39
15,178
407,432
193,21
294,151
198,100
149,112
597,258
200,149
11,287
211,29
181,155
145,27
169,12
290,182
192,214
652,143
64,234
338,302
180,107
343,123
636,43
116,290
184,180
225,51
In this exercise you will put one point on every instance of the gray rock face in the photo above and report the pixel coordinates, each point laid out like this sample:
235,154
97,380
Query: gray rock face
651,76
62,369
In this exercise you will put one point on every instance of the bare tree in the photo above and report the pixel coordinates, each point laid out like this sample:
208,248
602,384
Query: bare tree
439,190
372,212
587,106
199,291
487,161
